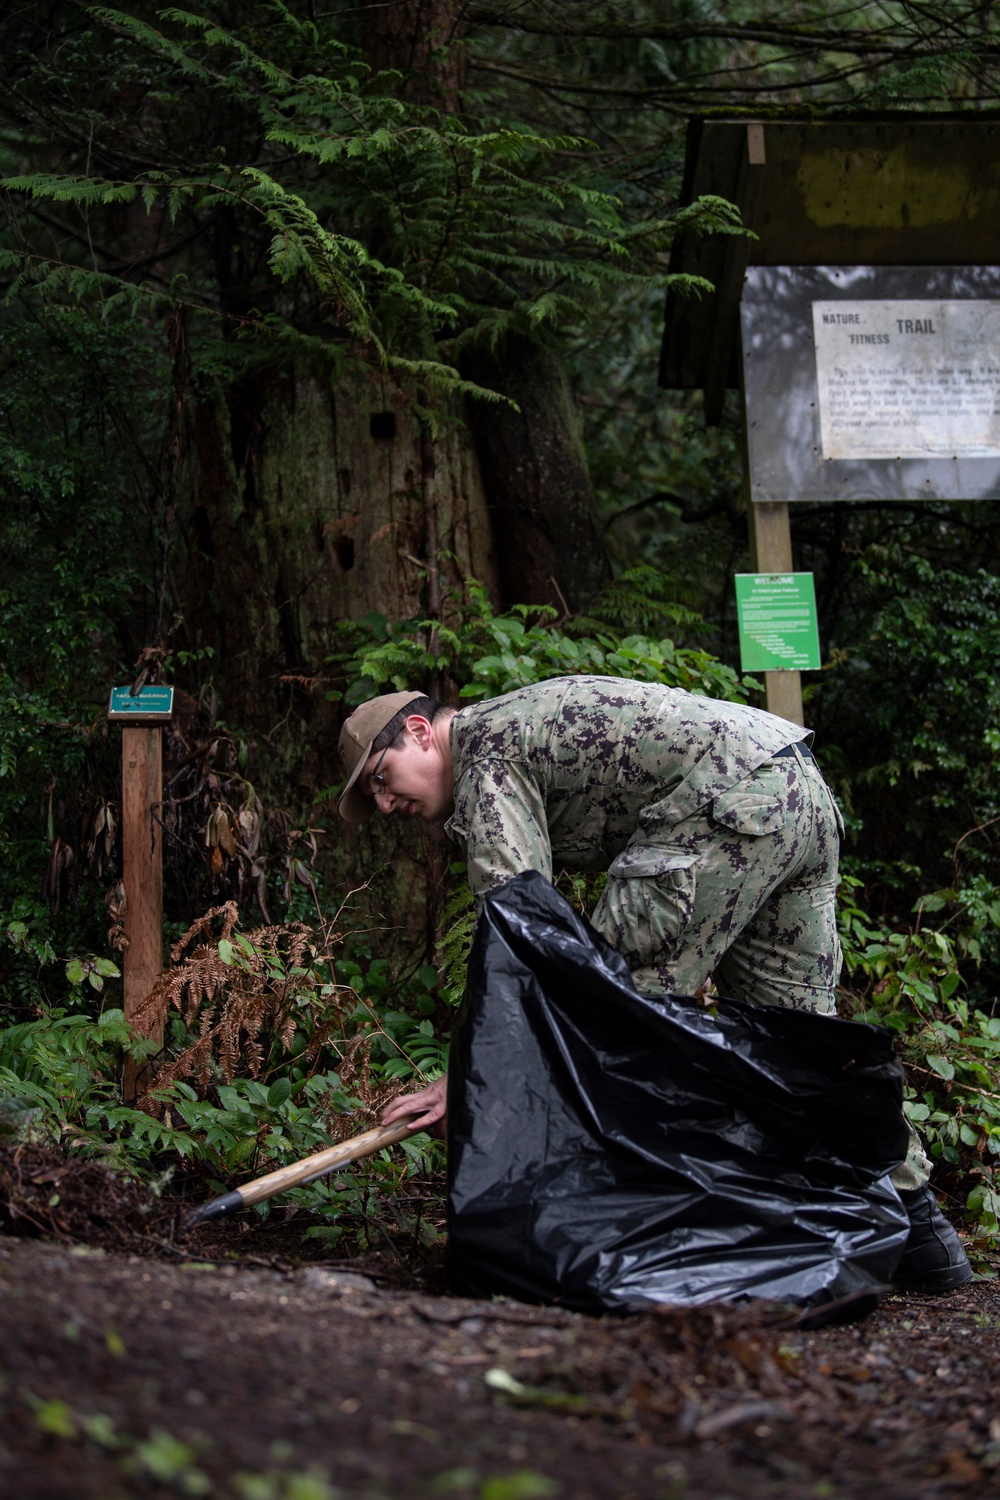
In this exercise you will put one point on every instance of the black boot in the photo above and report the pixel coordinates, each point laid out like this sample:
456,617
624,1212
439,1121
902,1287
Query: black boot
933,1260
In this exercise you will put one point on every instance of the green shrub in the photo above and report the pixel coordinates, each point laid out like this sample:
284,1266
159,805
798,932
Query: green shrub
911,983
485,654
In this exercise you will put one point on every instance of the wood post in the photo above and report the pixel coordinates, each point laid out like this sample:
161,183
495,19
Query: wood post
142,859
771,552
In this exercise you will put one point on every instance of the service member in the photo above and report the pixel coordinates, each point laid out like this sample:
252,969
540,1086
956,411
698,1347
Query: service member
718,833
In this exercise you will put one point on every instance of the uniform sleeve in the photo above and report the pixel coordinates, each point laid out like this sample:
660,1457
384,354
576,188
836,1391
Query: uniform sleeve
500,813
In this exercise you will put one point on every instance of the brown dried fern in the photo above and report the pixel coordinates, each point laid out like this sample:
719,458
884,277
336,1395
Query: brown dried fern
246,1011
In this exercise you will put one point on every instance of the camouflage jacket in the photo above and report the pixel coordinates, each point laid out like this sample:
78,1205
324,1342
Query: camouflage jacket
560,775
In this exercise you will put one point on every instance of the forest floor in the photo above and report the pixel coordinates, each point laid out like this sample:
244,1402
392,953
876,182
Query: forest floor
238,1362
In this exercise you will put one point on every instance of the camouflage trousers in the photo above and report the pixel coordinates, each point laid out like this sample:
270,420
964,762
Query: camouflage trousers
744,893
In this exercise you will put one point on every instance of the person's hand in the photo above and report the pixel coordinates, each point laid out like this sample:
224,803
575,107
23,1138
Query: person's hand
427,1107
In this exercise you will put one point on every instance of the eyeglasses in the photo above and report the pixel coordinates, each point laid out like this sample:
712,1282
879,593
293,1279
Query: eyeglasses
376,781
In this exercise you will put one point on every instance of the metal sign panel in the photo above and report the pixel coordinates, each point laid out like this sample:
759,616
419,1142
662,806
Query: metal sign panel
150,705
872,382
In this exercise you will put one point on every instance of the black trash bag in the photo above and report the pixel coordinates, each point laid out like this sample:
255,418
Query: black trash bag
607,1150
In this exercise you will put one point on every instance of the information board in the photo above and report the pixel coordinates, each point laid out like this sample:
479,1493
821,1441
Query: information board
872,382
778,628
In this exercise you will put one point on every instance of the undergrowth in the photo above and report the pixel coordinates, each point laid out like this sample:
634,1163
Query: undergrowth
485,653
274,1048
911,982
279,1039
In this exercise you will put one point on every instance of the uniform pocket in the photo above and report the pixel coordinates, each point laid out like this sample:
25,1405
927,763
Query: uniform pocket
647,903
753,807
838,816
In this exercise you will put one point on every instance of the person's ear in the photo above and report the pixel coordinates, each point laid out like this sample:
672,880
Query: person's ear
420,729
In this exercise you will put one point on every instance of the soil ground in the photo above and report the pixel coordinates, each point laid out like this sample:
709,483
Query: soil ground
229,1364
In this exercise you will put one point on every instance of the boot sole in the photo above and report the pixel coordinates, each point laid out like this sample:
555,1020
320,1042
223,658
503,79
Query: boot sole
948,1279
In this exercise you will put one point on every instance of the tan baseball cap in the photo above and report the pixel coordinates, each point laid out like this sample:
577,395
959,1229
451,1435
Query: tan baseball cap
365,725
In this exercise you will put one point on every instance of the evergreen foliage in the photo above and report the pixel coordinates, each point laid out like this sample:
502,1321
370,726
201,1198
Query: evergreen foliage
403,228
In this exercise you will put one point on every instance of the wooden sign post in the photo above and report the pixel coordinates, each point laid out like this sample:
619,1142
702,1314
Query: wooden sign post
142,716
771,552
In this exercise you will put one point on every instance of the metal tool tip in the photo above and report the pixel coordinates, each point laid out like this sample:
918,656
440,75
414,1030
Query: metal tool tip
227,1203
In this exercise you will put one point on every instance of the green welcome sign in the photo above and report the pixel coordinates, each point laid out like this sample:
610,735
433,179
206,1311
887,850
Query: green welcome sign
777,622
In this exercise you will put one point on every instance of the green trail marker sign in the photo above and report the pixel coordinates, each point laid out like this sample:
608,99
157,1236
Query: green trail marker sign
150,705
777,622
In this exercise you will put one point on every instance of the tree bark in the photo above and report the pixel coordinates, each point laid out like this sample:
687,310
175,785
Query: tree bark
413,37
305,502
309,502
534,469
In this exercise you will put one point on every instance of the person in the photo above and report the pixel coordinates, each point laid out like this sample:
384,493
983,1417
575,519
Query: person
718,833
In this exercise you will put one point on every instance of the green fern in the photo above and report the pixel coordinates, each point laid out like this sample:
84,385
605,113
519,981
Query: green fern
456,928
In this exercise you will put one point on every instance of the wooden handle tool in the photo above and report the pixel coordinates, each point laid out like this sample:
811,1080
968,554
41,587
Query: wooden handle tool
300,1172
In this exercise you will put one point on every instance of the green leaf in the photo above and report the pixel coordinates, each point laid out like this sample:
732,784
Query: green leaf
279,1093
940,1065
56,1419
522,1484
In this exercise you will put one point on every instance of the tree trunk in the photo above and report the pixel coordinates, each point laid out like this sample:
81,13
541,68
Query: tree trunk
413,37
305,502
309,502
534,468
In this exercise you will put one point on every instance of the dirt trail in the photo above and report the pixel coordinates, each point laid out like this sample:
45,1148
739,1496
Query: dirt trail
127,1376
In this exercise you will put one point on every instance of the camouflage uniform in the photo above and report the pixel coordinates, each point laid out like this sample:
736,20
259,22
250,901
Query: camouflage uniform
718,832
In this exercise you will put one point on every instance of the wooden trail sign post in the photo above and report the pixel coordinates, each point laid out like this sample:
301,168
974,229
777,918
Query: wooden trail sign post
861,324
142,716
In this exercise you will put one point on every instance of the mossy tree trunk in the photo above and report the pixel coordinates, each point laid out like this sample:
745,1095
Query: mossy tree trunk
305,501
